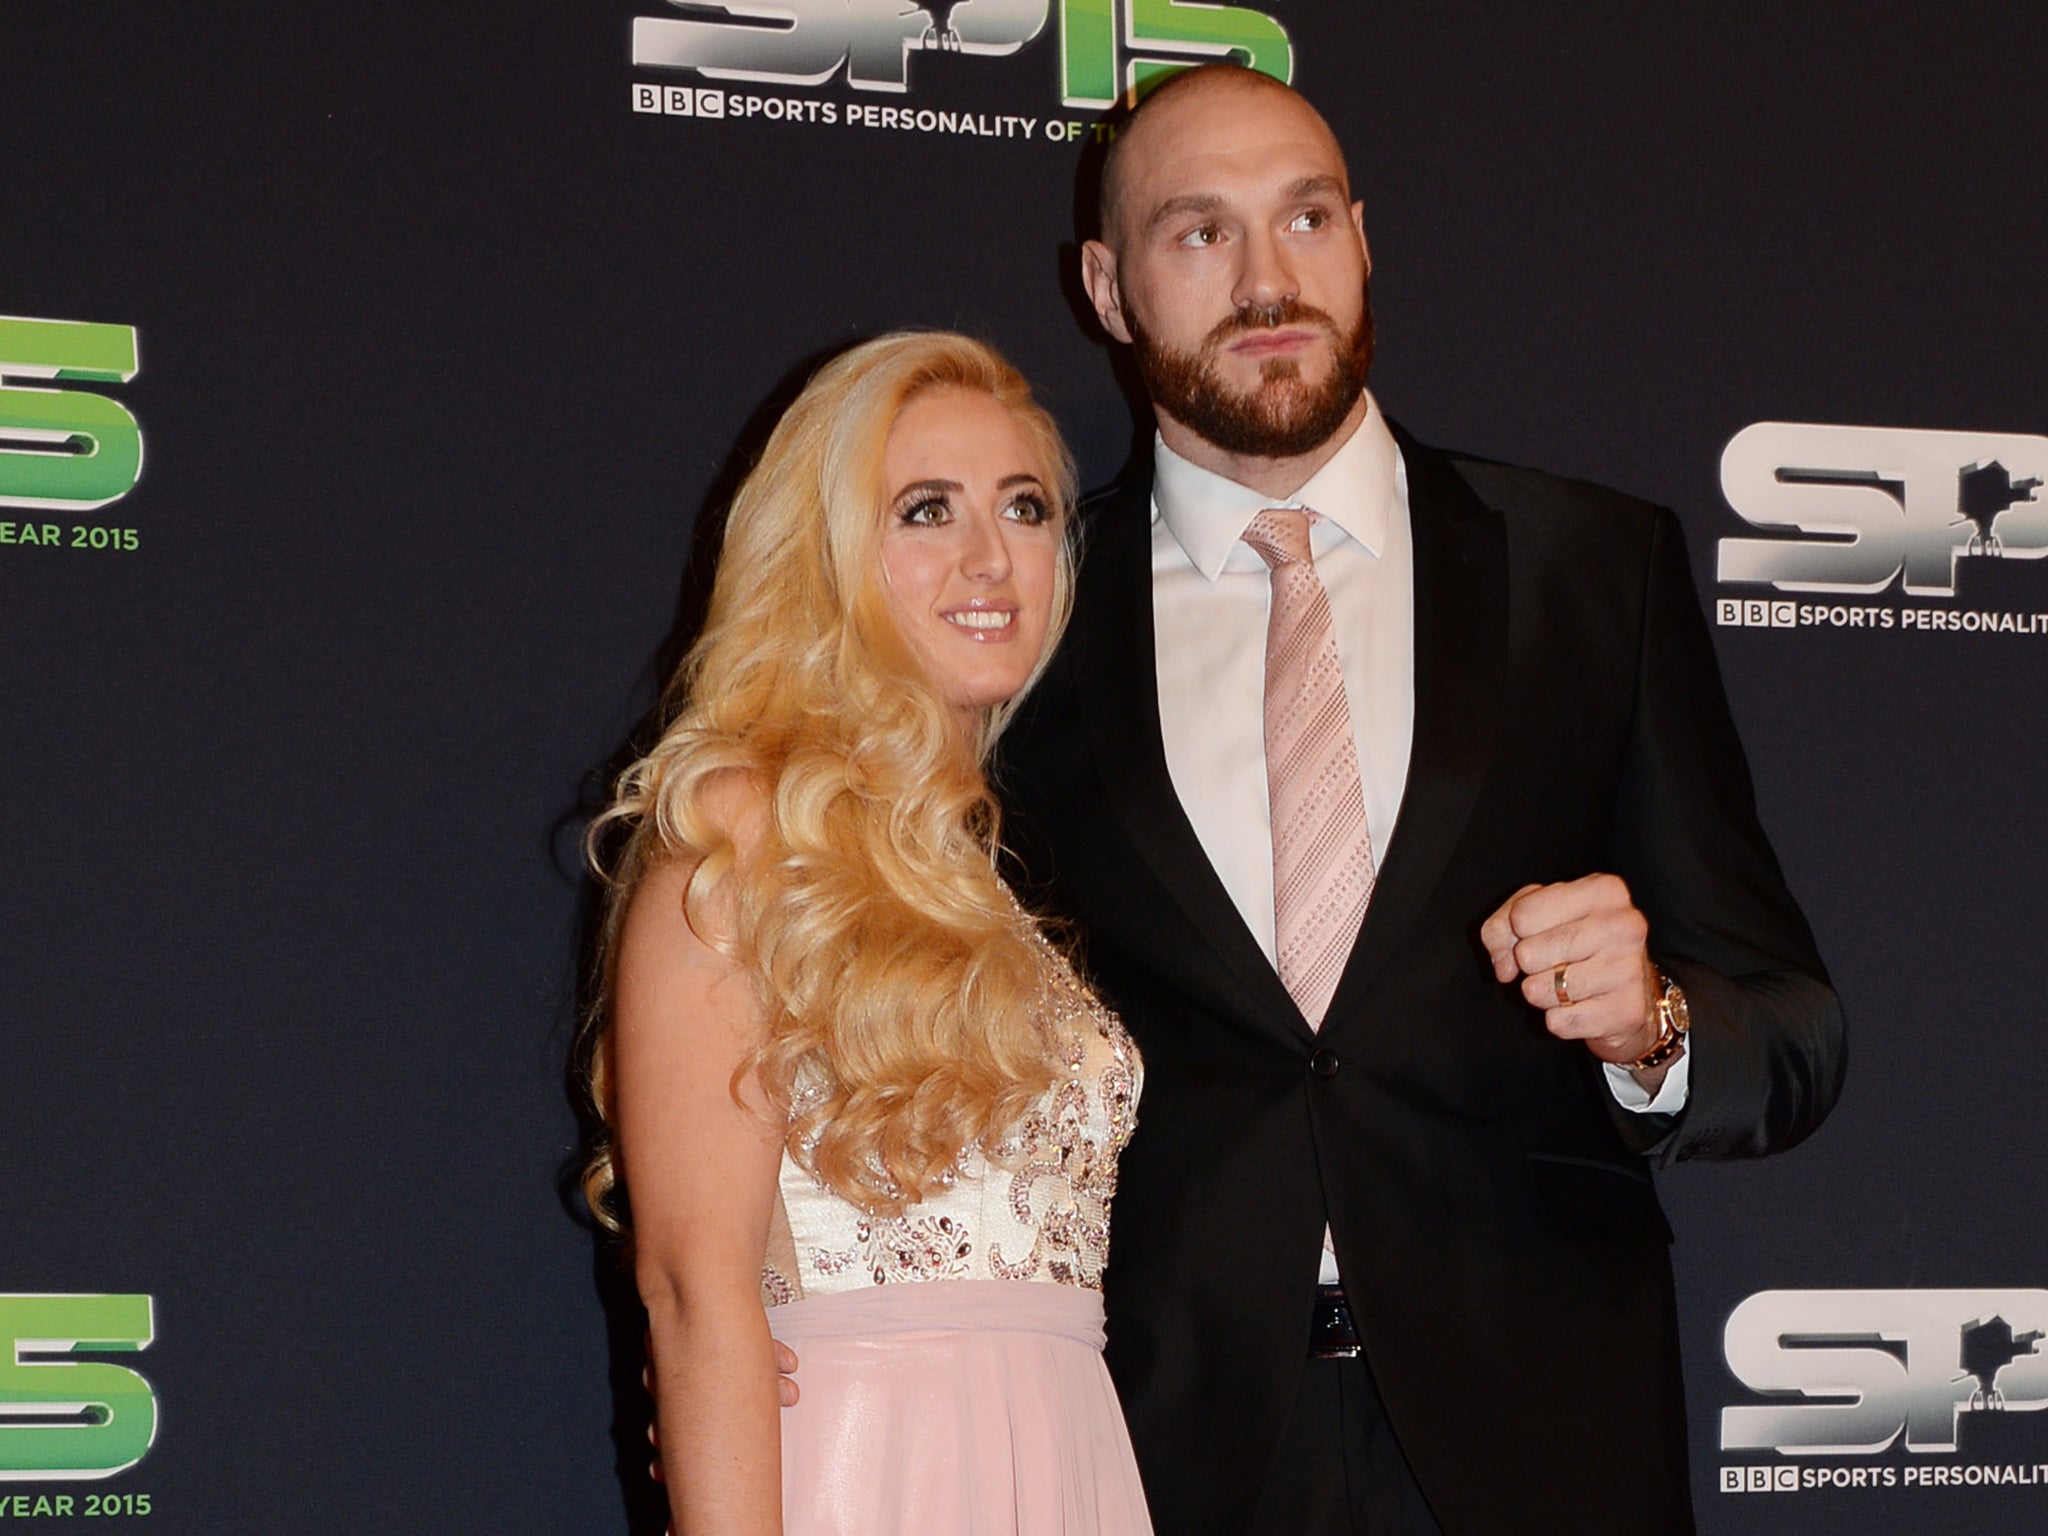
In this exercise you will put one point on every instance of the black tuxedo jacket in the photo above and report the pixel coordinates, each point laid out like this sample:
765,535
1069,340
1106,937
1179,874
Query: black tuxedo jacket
1494,1217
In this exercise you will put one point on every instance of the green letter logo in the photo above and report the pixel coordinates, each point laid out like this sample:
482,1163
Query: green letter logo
65,448
1182,30
66,1419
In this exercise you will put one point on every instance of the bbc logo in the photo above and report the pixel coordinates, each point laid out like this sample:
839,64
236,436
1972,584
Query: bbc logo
678,101
1756,612
1759,1479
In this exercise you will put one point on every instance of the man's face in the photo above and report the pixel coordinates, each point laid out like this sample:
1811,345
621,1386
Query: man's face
1238,270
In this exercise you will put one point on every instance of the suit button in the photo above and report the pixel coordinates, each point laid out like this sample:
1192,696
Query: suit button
1323,1063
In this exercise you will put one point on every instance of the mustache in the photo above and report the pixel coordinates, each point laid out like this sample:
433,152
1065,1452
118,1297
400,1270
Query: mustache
1269,317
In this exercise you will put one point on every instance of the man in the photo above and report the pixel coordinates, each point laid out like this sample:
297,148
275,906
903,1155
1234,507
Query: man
1396,801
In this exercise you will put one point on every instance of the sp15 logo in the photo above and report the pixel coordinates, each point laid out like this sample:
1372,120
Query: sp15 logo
803,42
1876,502
68,1419
66,449
1850,1369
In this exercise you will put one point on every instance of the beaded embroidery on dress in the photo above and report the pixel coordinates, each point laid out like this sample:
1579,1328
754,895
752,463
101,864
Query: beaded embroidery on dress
1037,1209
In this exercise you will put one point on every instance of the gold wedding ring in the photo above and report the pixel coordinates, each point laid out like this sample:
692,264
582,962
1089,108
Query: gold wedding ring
1557,981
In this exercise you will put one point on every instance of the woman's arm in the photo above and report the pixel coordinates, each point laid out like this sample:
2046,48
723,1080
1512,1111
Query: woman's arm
701,1172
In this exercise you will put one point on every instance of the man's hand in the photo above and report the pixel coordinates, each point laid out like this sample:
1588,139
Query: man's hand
785,1392
1580,951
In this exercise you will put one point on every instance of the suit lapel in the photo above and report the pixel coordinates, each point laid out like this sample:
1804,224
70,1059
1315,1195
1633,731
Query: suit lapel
1461,615
1460,665
1116,678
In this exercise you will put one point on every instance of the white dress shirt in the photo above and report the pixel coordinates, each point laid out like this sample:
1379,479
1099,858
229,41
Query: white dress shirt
1210,594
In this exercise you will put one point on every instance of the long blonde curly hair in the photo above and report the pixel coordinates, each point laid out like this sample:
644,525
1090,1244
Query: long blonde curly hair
899,981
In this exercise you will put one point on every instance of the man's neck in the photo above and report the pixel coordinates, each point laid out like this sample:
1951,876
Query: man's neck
1277,478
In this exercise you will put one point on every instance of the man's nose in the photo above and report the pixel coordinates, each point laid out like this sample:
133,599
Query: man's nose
1265,277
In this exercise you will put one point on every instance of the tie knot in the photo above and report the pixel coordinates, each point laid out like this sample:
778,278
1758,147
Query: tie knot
1280,535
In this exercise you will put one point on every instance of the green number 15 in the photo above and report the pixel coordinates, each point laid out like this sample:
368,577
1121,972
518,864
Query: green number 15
1159,37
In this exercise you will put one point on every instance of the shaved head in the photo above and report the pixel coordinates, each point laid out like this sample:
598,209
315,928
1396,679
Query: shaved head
1207,87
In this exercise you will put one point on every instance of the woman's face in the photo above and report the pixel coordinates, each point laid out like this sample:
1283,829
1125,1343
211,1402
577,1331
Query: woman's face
970,545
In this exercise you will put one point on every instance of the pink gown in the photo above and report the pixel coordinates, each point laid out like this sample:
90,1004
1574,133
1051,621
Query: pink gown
951,1368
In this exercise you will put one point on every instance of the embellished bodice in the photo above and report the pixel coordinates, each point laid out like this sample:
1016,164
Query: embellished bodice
1034,1207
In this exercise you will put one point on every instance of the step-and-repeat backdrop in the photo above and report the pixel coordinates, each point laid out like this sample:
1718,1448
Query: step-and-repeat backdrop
365,371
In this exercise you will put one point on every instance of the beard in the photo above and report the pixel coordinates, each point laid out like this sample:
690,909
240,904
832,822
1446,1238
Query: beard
1281,417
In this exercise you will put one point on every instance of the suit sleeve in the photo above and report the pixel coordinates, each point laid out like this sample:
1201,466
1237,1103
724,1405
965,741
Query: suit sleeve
1687,839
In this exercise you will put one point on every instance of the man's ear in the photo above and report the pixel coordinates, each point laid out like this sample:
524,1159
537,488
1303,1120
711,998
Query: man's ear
1358,223
1098,276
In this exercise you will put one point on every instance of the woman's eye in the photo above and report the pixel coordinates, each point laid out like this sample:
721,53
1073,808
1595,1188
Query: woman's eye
1029,510
928,513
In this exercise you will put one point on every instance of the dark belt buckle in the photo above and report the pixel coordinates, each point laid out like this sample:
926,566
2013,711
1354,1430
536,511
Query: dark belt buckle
1333,1336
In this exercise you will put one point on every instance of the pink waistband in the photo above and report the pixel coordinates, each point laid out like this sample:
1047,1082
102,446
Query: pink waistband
928,1306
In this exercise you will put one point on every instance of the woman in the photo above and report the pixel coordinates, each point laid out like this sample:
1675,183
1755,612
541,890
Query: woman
858,1102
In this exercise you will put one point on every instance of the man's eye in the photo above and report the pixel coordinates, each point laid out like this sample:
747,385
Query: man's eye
1310,219
1202,234
928,513
1029,510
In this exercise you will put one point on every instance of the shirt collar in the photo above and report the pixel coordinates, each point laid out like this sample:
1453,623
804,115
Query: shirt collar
1207,513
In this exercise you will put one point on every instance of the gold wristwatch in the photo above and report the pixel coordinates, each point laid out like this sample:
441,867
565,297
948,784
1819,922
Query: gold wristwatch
1673,1020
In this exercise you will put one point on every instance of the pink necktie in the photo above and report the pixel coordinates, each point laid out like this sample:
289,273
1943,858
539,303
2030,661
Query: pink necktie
1322,849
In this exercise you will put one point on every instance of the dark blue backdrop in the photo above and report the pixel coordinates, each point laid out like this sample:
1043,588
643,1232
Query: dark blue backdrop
444,346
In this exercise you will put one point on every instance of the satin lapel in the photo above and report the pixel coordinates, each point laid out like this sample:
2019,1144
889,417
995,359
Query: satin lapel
1116,677
1461,626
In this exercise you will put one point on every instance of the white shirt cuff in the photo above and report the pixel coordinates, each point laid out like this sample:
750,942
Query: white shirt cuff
1670,1095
